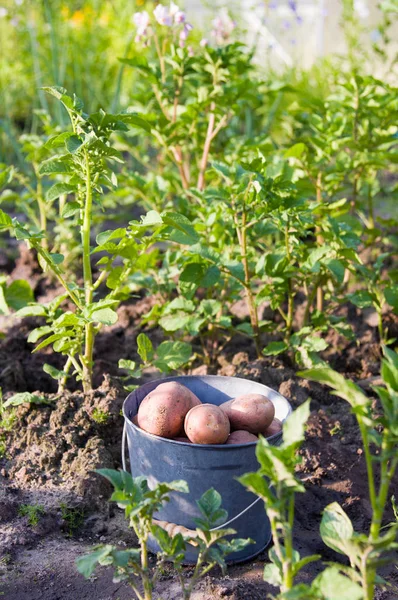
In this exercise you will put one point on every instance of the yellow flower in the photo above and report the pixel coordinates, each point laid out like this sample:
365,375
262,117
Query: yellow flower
78,18
104,19
65,12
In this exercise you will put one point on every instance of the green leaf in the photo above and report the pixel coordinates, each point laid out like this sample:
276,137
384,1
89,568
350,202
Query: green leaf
57,258
294,426
34,310
391,295
58,189
174,354
209,503
336,528
275,348
73,143
70,209
137,121
332,585
272,575
25,397
144,348
344,388
296,151
53,372
86,564
127,364
182,230
257,484
18,294
106,316
37,333
5,220
55,166
361,298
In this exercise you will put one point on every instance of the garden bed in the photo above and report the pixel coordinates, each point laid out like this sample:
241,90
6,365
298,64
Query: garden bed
53,449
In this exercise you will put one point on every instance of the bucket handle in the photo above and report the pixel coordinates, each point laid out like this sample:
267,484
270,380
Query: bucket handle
173,528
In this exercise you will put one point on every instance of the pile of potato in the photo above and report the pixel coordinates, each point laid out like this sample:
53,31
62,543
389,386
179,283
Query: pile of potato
172,411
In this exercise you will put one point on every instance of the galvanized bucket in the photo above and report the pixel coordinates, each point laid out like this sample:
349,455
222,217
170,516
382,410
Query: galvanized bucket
203,466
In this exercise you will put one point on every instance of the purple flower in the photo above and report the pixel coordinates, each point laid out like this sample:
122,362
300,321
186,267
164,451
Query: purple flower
273,4
204,42
163,16
184,34
179,17
223,26
292,5
141,21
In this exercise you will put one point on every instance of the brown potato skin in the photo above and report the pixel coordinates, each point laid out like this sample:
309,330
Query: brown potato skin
207,424
275,427
241,437
250,412
162,411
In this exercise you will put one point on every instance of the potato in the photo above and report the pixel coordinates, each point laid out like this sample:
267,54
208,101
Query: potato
162,411
241,437
135,420
207,424
177,388
275,427
251,412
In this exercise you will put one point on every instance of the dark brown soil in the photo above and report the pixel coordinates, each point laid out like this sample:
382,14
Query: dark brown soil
53,450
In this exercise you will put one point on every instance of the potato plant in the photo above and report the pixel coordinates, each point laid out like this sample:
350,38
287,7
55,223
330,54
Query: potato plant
140,503
82,164
367,552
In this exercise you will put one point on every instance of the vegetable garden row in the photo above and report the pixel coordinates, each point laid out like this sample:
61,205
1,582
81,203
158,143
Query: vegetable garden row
221,221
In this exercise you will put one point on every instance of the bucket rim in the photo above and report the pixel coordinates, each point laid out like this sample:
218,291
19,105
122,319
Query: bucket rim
224,446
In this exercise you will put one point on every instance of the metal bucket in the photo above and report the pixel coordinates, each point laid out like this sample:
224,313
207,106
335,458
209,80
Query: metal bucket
204,466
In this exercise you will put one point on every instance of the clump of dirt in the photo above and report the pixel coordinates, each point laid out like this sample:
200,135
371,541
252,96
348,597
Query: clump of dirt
60,444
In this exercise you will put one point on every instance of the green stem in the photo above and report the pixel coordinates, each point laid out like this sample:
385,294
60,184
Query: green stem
288,563
311,300
144,566
57,273
88,279
63,381
290,295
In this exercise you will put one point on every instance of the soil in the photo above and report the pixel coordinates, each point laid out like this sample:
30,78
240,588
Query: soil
54,448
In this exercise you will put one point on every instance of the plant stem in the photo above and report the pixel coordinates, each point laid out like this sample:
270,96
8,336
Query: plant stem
371,209
66,369
288,562
319,239
290,296
206,148
161,58
88,279
242,238
311,300
144,565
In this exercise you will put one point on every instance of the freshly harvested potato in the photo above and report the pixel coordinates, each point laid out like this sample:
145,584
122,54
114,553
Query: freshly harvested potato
177,388
135,420
251,412
162,411
241,437
207,424
275,427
